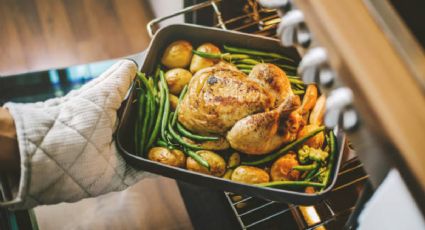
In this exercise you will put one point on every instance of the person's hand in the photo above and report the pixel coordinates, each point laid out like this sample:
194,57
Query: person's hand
66,147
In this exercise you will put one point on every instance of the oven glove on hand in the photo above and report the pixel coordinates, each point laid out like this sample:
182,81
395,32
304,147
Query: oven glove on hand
66,144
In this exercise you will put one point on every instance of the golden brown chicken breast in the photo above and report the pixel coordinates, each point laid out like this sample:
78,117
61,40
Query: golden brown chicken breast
218,97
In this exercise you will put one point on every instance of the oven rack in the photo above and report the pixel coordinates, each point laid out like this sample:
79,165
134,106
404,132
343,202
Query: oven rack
352,177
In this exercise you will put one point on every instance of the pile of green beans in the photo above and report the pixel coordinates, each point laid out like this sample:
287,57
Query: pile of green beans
147,110
245,59
157,125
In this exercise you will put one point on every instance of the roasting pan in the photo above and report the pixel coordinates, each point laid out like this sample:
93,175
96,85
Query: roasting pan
197,35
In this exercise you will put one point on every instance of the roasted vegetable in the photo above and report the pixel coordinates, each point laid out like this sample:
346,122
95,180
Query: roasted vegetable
199,62
163,155
306,154
282,168
318,111
176,79
177,55
250,175
315,141
215,161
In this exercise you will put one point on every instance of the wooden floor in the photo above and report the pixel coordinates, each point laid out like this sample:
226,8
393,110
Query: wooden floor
39,34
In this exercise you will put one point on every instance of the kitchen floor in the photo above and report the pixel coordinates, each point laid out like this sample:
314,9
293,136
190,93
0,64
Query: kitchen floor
42,34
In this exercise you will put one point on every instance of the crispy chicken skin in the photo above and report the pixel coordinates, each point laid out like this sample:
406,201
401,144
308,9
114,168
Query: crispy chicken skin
218,97
264,132
272,79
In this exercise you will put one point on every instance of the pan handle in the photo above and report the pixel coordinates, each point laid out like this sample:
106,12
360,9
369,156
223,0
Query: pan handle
152,26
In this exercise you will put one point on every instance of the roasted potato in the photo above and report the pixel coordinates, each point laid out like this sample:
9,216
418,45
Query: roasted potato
250,175
174,100
216,162
282,168
234,160
315,141
177,55
198,62
163,155
176,79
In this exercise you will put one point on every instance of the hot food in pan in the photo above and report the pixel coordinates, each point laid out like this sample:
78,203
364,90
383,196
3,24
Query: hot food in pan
235,113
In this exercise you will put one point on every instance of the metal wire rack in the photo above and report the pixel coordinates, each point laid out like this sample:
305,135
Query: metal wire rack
254,19
256,213
332,213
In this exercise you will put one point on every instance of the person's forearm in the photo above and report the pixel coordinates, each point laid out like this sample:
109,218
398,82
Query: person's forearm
9,151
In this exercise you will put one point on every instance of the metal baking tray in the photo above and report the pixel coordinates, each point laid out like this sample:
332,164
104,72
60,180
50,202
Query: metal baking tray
197,35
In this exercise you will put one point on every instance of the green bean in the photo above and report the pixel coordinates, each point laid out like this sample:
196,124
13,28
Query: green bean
145,124
159,117
197,158
298,92
290,183
152,84
305,167
302,87
166,104
225,56
315,174
246,71
231,49
286,148
180,140
248,61
295,81
182,130
331,158
153,107
145,82
244,66
162,143
183,92
288,67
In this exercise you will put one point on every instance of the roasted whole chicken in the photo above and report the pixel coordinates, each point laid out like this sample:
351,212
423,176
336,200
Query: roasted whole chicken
252,111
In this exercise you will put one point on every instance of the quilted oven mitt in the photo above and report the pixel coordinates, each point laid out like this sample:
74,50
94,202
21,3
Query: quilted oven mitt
66,146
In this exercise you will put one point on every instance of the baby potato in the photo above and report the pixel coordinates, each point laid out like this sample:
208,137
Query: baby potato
163,155
315,141
174,100
216,162
199,62
177,54
282,168
250,175
176,79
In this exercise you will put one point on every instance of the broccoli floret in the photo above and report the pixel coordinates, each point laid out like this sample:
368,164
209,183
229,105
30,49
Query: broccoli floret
307,153
303,154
